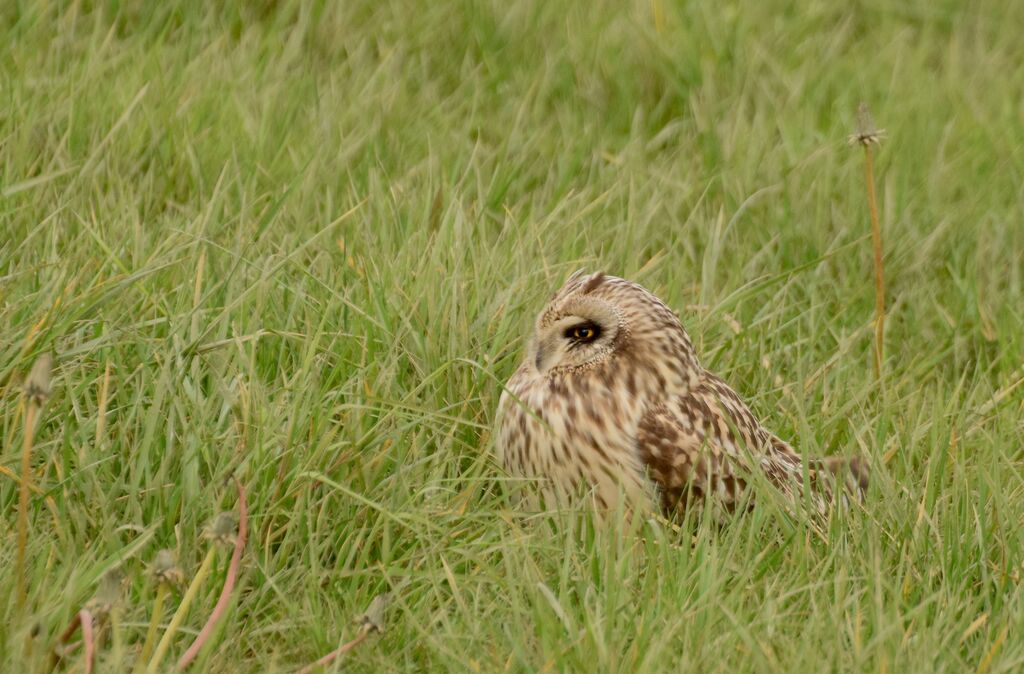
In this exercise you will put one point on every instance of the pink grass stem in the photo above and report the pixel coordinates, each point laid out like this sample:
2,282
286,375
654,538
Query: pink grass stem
88,641
333,655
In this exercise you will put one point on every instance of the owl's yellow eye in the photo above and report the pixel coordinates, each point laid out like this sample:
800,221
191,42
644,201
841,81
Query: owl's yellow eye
583,333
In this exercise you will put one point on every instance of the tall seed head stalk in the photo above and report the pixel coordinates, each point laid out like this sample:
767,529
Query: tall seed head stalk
866,136
37,391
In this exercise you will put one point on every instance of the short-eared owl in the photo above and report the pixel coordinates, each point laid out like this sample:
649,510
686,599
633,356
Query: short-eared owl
611,398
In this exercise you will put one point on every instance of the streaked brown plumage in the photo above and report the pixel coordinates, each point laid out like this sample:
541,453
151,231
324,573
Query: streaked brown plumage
612,399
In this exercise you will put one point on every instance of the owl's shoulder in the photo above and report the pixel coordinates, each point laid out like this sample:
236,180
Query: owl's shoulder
702,421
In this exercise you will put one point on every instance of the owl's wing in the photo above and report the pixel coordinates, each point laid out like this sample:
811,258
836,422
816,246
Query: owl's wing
705,444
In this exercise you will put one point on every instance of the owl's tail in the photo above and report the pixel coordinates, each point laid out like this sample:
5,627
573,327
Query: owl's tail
832,479
852,473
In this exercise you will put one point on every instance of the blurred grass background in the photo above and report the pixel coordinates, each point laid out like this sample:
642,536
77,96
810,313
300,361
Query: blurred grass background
306,240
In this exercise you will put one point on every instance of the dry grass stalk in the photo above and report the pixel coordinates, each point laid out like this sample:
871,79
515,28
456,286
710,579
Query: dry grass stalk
866,136
987,660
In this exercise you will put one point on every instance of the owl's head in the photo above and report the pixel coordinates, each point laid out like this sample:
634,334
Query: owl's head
596,321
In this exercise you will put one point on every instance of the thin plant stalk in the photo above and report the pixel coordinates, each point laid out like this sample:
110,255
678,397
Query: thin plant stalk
26,479
987,660
876,240
866,136
179,615
81,620
154,621
101,414
36,391
88,640
342,650
59,650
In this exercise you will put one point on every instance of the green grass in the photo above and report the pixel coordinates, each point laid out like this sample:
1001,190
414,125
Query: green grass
308,239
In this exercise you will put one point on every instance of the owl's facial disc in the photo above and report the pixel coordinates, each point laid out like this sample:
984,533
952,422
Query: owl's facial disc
582,333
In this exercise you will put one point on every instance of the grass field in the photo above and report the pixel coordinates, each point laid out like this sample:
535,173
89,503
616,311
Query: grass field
301,243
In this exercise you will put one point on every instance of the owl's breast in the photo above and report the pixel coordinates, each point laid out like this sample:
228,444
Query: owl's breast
523,437
573,431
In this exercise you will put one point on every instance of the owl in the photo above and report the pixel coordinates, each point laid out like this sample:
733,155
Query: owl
611,400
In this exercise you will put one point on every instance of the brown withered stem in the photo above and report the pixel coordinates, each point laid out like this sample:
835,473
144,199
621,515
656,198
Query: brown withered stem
866,136
37,391
83,620
60,649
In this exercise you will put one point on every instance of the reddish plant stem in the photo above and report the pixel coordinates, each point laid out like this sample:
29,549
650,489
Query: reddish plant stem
876,239
85,618
70,630
81,619
333,655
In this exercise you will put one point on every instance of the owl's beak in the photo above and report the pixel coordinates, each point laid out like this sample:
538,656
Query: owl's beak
546,348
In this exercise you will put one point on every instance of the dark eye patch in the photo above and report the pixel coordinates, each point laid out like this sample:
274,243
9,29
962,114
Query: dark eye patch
582,333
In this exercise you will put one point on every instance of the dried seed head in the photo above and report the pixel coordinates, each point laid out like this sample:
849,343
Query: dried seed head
373,619
733,324
165,568
37,386
866,134
108,594
222,530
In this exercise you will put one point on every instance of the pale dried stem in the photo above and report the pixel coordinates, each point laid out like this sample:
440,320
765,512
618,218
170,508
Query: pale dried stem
154,622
